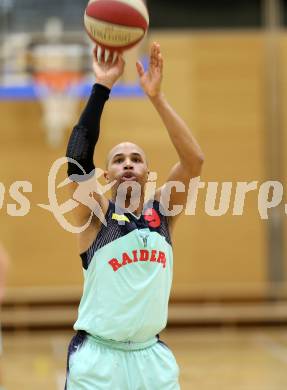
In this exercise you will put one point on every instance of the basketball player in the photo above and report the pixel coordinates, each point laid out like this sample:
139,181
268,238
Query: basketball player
127,262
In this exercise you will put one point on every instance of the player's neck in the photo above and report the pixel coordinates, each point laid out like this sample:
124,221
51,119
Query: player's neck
131,204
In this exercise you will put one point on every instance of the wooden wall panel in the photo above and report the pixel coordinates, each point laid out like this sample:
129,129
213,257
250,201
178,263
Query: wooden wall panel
283,92
226,111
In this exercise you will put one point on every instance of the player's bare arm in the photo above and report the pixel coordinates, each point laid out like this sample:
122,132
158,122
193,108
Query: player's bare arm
189,152
82,145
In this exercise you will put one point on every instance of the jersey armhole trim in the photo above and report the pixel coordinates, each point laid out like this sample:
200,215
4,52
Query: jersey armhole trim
83,254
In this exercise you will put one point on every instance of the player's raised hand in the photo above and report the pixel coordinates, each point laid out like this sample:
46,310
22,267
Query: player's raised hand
108,67
152,78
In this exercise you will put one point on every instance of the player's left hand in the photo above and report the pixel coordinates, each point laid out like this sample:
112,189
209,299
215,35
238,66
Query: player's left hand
151,80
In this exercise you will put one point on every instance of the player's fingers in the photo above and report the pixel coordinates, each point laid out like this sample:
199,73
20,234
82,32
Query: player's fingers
153,60
160,62
158,54
98,54
107,56
95,51
115,57
120,60
110,57
120,63
101,54
153,49
95,54
156,47
140,68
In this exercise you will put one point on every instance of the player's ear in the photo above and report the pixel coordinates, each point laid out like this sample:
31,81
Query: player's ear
147,175
106,176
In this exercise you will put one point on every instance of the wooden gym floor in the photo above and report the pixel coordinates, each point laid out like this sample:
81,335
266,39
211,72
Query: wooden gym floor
216,359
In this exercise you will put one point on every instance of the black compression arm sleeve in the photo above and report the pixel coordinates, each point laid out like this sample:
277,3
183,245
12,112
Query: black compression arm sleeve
86,133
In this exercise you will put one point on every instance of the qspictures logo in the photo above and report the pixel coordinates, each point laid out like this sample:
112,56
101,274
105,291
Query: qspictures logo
217,196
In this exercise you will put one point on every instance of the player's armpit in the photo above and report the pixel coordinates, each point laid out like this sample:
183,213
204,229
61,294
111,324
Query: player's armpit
173,194
90,202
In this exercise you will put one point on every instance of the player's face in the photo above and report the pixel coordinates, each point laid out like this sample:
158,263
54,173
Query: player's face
127,162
